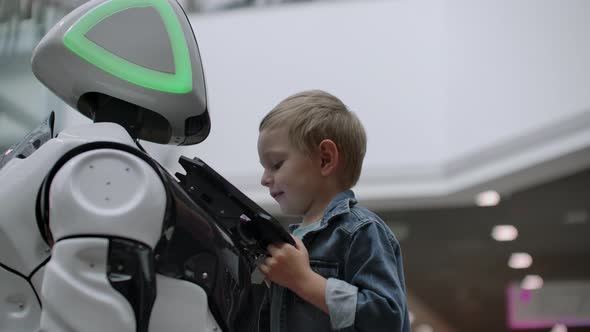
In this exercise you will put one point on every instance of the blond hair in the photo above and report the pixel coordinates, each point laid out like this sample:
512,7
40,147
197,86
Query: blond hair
314,115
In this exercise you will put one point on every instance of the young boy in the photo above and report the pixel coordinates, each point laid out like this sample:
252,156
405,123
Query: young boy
345,272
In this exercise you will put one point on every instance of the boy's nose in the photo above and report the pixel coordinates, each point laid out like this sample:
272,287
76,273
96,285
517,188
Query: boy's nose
265,180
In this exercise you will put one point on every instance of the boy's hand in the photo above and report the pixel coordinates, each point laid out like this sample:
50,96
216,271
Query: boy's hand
287,265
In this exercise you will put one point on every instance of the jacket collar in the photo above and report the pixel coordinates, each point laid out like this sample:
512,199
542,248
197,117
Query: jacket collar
340,204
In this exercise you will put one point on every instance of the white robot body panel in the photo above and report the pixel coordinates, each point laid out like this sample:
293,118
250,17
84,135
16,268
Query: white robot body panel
37,280
21,179
20,185
19,307
181,316
22,266
107,192
94,132
77,295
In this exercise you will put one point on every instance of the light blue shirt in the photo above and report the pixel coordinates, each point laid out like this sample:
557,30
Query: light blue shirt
302,230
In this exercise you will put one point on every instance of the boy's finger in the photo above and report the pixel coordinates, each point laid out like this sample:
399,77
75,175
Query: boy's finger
272,249
263,268
269,261
298,243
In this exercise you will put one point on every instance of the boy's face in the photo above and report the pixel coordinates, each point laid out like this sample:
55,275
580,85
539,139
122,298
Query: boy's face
293,178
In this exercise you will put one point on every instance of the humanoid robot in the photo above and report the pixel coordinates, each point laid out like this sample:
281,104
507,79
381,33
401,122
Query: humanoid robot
95,235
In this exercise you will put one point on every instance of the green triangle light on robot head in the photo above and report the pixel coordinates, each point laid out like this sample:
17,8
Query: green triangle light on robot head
179,82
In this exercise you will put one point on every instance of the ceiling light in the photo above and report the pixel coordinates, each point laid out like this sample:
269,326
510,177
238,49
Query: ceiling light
504,233
531,282
487,198
575,217
559,328
520,260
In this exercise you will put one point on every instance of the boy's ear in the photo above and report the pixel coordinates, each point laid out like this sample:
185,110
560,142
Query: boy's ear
329,156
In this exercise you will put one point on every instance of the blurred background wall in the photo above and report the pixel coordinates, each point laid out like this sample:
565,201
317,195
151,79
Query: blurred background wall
477,113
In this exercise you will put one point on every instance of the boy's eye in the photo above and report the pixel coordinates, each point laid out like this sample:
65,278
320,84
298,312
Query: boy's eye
277,165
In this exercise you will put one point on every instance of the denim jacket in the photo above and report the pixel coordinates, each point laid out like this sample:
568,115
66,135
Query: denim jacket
361,259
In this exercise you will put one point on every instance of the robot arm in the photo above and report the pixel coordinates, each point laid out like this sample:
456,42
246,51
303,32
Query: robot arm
23,253
107,210
102,208
105,215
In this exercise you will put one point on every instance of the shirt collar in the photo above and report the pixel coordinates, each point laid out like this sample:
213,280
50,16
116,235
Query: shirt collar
340,204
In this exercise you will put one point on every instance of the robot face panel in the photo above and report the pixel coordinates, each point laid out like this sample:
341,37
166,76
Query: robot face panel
159,59
133,62
160,63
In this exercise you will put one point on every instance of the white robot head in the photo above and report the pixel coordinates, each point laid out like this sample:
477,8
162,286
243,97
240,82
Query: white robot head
132,62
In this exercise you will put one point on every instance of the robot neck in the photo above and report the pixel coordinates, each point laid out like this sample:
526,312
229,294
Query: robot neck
139,122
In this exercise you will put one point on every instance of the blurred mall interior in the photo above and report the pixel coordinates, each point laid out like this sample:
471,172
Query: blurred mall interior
478,119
